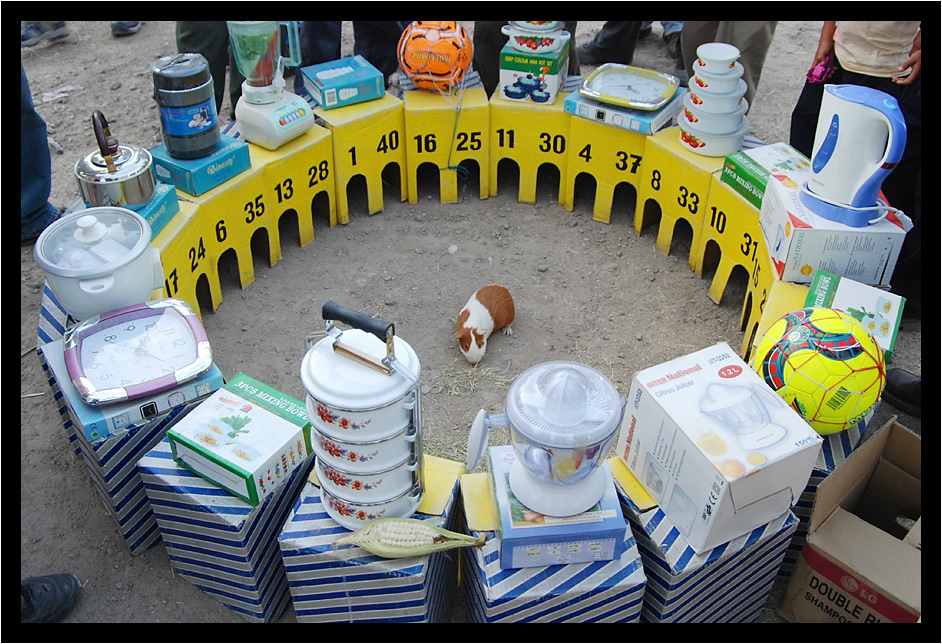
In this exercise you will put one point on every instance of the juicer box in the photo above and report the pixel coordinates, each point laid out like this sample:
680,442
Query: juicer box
529,539
537,78
749,171
100,422
345,81
196,176
643,121
801,241
878,310
246,438
862,562
714,446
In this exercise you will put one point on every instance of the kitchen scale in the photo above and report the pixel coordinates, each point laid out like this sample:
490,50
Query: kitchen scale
267,114
633,87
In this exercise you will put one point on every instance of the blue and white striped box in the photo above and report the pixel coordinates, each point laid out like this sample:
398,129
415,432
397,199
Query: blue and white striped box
348,584
729,583
601,591
219,543
112,462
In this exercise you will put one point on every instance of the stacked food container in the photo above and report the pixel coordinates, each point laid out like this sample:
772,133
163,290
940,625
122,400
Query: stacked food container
713,122
366,434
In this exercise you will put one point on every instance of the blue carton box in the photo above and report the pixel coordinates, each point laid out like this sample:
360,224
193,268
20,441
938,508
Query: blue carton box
196,176
343,82
642,121
528,539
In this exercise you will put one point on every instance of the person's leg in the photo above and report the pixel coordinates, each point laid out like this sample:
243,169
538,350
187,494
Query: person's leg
694,34
319,41
753,38
487,42
571,26
209,38
804,120
377,41
35,168
614,43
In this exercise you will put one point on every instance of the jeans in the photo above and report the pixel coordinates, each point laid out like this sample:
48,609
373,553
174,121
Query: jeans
35,167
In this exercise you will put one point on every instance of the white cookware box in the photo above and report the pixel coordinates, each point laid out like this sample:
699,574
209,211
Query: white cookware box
348,584
714,480
598,591
219,543
729,583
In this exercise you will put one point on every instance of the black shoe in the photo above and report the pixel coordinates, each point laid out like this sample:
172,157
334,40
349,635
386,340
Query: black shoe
47,599
588,55
30,238
904,391
33,33
672,40
125,28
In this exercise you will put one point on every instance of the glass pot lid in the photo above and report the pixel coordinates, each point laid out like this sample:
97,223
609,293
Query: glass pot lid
92,242
564,405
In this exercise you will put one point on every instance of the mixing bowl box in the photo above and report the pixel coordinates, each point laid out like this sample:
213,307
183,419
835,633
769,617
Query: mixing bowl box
749,171
714,446
801,241
530,539
247,438
345,81
196,176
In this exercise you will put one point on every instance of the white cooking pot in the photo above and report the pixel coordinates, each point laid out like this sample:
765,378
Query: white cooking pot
354,515
369,487
367,456
98,260
361,383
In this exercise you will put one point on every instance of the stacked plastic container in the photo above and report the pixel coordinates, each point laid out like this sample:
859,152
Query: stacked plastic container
713,122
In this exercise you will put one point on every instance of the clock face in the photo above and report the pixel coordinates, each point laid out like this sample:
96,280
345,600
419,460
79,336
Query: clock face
137,351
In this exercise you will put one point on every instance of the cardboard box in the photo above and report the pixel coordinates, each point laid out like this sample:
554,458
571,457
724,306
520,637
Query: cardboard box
714,446
643,121
801,242
100,422
196,176
597,591
878,310
728,584
348,584
598,534
343,82
749,171
521,73
217,542
246,438
860,564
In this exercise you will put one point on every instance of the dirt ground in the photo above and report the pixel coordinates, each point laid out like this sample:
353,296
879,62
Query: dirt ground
584,291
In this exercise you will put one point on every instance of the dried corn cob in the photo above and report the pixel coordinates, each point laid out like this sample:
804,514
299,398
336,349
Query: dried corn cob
394,538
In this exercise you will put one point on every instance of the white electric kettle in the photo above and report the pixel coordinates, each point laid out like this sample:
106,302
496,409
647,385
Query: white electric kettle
860,138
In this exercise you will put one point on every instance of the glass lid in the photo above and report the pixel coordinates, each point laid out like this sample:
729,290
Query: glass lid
90,241
564,404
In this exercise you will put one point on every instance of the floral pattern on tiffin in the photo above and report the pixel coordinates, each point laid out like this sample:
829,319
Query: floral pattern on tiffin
340,421
361,515
336,451
345,481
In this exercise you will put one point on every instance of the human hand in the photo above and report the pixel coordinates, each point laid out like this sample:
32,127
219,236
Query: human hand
914,65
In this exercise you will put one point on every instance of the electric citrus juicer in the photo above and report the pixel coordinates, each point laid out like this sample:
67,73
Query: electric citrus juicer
267,114
740,409
563,419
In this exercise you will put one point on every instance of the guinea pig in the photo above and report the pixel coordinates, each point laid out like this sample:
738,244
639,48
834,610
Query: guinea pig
491,308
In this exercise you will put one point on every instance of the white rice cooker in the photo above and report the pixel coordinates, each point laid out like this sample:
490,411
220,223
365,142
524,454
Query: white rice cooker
365,412
98,260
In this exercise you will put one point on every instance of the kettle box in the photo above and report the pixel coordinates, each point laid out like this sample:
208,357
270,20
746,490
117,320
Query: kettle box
801,241
714,446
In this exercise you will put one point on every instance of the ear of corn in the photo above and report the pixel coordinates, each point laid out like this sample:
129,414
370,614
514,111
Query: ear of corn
395,538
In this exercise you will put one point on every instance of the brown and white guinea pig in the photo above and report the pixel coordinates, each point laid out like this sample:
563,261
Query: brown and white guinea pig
490,308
